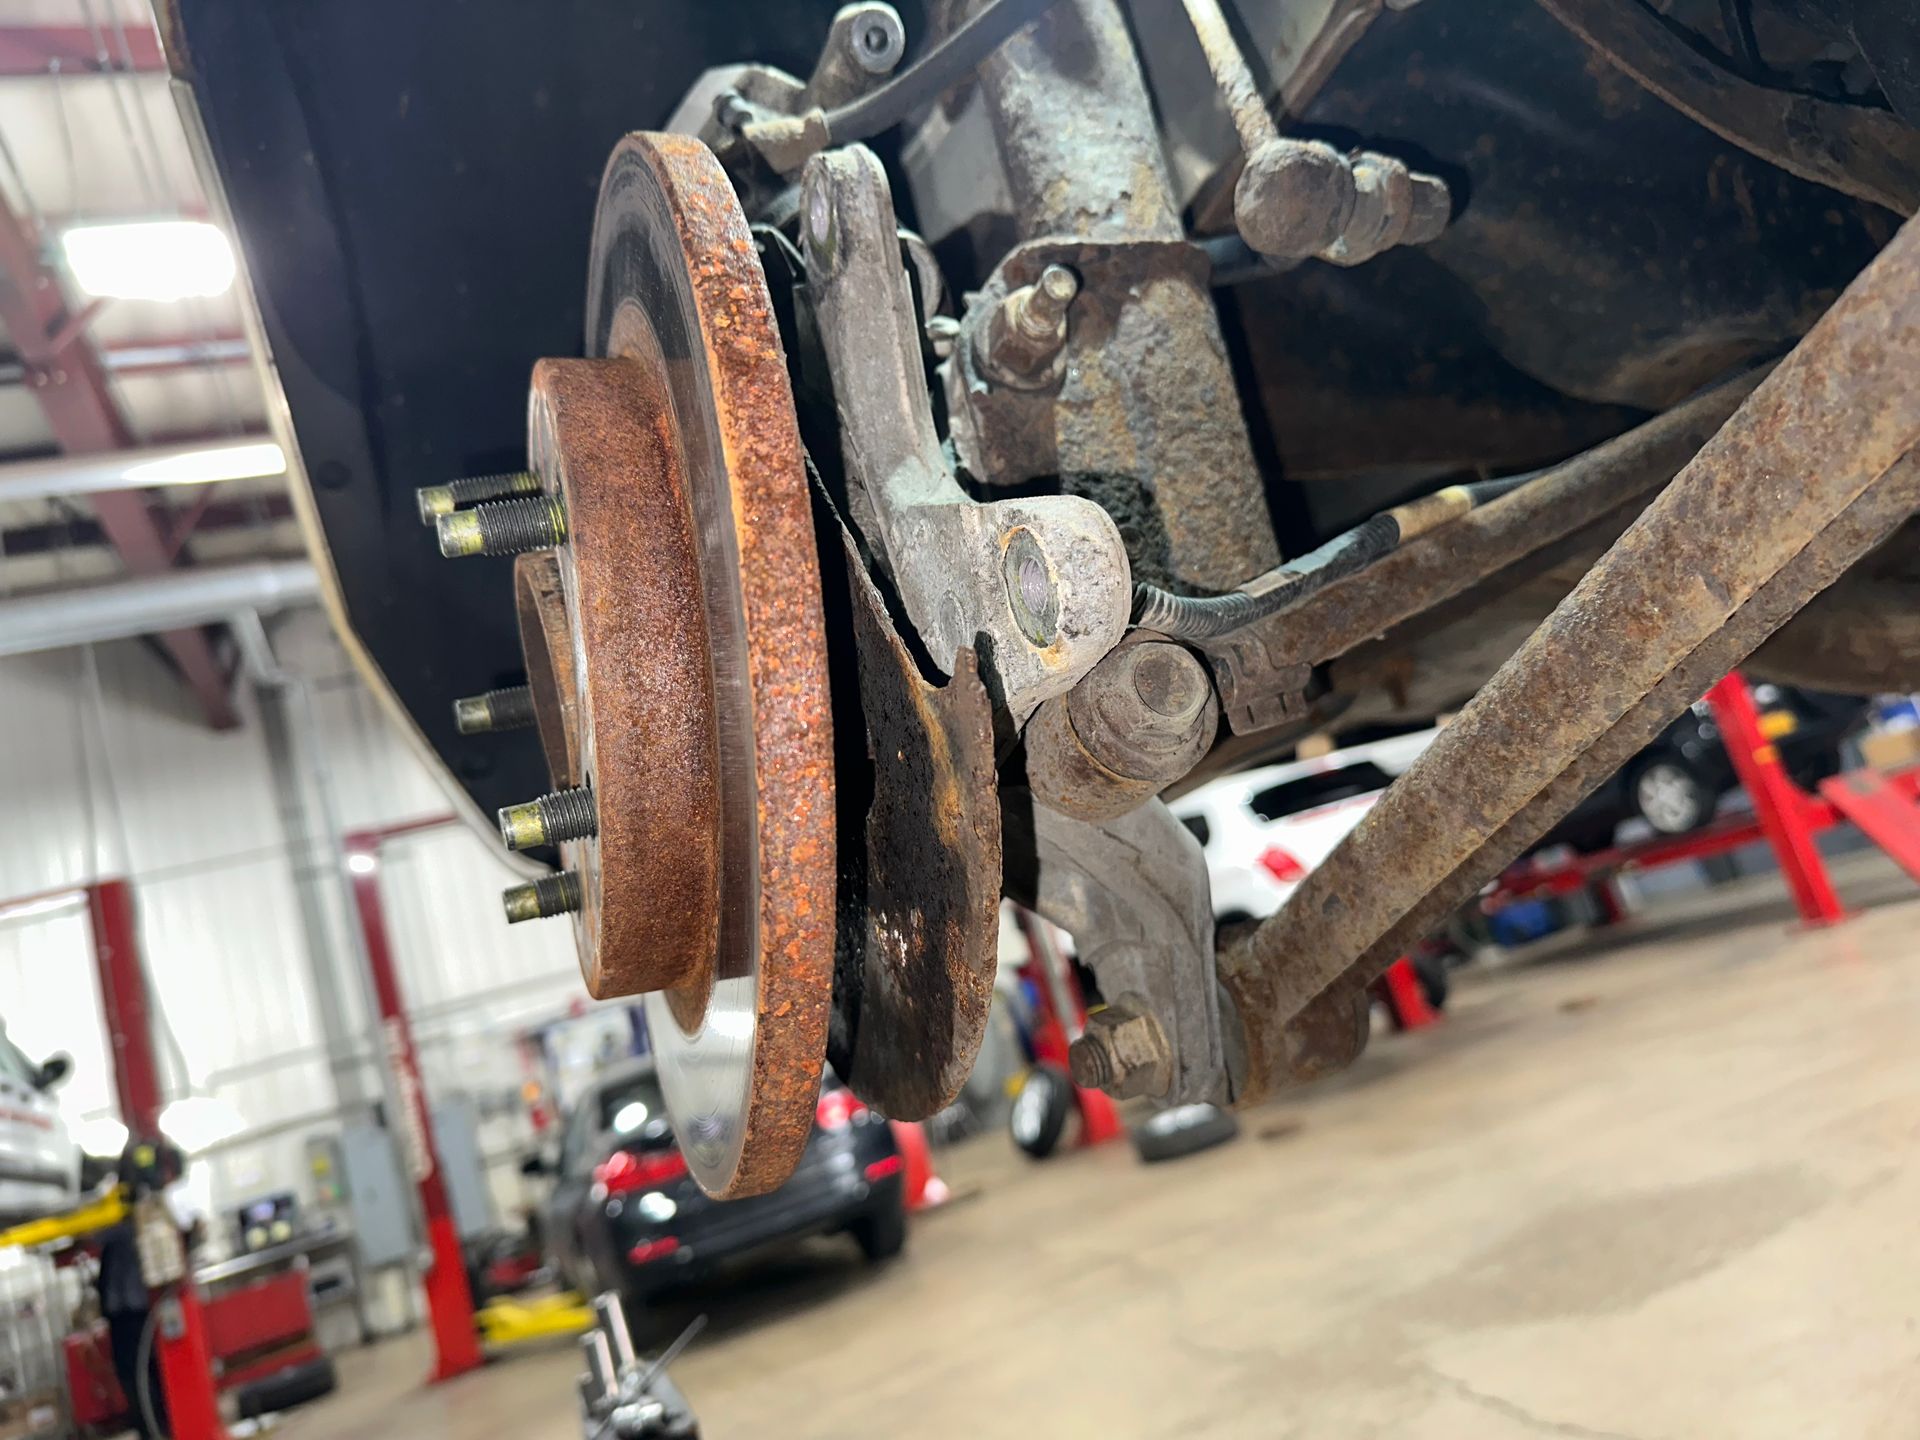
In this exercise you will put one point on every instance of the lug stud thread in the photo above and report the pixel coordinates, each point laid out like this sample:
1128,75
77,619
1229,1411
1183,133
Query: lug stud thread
496,710
563,815
437,500
549,895
504,527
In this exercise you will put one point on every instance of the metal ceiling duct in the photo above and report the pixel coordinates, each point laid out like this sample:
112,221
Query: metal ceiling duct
152,604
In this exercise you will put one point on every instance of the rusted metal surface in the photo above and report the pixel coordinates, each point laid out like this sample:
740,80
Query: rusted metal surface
1878,513
1124,1052
1302,44
676,295
915,997
1132,891
1148,420
1861,635
1859,150
1139,721
1299,198
1246,105
1044,578
1834,417
1269,658
1022,346
601,435
546,642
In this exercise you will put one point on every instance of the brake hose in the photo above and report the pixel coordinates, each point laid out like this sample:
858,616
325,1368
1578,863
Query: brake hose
1202,617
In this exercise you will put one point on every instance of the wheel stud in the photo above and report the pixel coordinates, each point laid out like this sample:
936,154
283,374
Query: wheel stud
504,527
437,500
496,710
536,900
563,815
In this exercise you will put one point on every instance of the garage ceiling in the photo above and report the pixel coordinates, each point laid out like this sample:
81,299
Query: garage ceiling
89,135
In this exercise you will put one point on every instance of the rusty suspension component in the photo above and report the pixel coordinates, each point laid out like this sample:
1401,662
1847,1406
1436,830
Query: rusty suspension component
1145,418
1297,199
1828,424
1139,721
1254,664
1865,523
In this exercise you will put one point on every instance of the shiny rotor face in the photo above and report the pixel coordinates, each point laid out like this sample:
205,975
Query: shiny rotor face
736,747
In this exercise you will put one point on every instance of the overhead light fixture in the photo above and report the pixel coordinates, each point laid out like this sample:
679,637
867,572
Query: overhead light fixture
42,905
149,259
208,464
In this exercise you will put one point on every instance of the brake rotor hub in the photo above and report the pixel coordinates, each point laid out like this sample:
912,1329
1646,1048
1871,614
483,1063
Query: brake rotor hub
675,648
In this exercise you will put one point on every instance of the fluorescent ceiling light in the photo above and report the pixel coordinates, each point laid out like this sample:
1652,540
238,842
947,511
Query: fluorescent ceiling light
199,1122
44,905
149,259
255,461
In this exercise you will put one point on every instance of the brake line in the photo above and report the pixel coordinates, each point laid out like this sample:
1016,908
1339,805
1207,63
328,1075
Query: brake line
1202,617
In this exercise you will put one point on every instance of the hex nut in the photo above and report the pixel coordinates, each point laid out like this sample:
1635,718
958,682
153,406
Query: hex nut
1123,1052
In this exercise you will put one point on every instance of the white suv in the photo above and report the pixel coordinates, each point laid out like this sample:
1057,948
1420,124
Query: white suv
39,1161
1264,830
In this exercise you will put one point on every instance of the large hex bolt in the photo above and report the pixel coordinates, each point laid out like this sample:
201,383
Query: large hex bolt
537,899
1123,1052
504,527
876,38
437,500
510,709
1023,341
1136,722
563,815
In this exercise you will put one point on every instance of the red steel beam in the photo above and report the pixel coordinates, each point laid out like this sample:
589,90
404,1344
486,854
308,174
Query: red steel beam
27,50
71,386
186,1363
1782,807
151,357
449,1299
1532,876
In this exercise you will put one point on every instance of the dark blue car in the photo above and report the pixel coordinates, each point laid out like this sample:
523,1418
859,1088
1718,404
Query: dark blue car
625,1215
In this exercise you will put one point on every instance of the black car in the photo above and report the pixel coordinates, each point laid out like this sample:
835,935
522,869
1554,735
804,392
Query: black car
1677,781
625,1215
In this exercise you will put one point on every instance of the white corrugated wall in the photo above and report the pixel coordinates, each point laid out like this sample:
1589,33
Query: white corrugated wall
110,770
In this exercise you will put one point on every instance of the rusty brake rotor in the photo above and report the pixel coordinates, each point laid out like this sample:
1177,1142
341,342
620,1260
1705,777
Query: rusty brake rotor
690,635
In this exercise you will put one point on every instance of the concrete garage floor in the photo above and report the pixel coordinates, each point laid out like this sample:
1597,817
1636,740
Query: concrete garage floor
1665,1183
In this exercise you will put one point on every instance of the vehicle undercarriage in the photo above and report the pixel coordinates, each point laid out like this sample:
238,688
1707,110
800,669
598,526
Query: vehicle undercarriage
1039,408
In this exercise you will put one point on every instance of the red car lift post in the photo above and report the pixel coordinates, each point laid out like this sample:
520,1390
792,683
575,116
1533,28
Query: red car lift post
449,1298
186,1357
